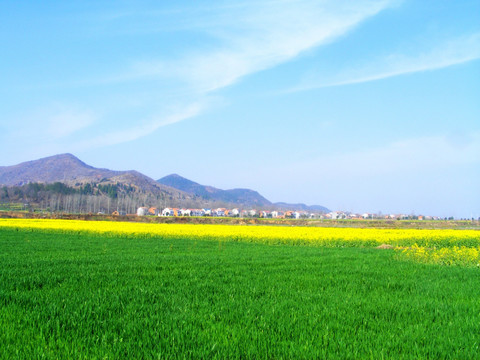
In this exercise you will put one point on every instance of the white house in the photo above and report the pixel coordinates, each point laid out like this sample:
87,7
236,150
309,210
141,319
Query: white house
262,214
338,215
219,212
234,213
197,212
168,212
142,211
185,212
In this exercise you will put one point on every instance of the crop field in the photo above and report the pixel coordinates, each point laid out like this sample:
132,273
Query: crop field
73,289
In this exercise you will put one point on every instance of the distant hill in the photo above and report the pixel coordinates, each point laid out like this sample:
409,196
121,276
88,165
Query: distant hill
244,197
63,168
119,189
235,196
70,170
303,207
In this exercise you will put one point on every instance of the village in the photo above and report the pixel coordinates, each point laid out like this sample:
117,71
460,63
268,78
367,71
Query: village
275,214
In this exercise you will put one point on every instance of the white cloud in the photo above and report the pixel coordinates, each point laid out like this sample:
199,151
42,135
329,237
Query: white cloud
451,52
264,35
236,41
138,132
248,38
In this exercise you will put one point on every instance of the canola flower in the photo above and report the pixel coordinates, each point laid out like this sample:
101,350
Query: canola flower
456,255
315,236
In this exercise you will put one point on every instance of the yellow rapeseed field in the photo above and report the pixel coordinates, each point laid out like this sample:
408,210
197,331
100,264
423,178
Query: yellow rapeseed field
268,234
436,246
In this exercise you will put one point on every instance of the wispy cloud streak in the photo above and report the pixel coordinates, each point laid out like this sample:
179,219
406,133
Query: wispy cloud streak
240,40
453,52
265,35
138,132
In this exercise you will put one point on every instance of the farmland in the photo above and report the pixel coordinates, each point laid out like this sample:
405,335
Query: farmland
75,289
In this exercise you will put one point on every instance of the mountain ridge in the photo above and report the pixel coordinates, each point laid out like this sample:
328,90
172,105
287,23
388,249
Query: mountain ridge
68,169
191,187
62,167
175,189
235,196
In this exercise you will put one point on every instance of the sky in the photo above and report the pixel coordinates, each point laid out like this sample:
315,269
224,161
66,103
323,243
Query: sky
361,106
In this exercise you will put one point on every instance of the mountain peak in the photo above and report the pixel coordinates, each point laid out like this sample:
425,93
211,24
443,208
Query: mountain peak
66,158
179,182
62,167
65,155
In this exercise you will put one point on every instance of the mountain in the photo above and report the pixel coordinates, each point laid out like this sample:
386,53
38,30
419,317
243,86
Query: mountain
302,207
181,183
70,170
125,189
245,197
63,168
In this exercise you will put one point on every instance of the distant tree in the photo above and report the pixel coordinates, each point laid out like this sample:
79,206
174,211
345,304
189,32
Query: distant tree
87,189
18,192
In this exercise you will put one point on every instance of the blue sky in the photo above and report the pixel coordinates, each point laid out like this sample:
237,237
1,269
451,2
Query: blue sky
362,106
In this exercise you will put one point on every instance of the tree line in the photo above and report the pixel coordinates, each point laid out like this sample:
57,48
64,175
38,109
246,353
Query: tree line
80,198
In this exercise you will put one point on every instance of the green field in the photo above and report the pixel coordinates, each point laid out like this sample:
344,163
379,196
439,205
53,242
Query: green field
84,296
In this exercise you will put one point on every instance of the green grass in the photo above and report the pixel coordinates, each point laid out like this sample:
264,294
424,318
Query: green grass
81,296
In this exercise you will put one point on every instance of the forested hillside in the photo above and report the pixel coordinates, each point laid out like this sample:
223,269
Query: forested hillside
84,198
